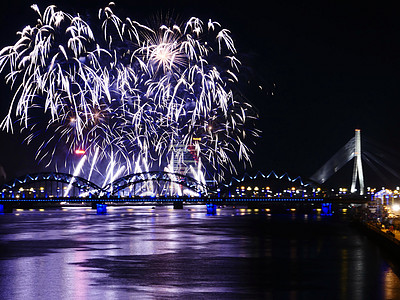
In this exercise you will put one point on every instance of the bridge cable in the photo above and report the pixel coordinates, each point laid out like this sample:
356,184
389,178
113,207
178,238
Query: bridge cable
335,163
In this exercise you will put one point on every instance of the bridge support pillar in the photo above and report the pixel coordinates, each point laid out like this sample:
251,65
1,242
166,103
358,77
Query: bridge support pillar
326,209
4,208
178,204
211,208
357,170
101,209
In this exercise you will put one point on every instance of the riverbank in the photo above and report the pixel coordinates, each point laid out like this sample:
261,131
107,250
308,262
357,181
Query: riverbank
389,240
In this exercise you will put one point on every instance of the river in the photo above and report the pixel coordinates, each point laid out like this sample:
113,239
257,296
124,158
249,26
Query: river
162,253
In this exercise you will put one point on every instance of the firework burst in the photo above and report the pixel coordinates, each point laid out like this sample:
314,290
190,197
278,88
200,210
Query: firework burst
130,95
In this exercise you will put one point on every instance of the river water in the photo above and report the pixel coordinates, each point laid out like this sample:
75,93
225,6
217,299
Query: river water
162,253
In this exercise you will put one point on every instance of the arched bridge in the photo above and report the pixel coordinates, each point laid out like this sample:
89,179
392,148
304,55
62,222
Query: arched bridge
165,187
61,185
155,183
144,184
48,184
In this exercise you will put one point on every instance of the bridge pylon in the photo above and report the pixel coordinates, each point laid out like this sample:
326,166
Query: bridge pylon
357,169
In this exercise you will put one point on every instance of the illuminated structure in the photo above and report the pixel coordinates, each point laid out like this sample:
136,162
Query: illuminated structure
61,185
352,149
357,169
269,185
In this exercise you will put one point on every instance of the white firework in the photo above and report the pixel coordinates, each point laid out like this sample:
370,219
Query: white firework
131,94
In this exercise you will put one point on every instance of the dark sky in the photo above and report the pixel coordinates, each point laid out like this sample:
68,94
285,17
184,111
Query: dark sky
326,68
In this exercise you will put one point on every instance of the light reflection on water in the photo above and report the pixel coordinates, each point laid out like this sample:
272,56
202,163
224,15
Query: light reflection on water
140,252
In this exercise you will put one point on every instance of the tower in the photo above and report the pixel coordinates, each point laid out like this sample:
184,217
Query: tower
357,169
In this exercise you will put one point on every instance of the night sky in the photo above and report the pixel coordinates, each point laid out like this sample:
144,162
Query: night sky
325,68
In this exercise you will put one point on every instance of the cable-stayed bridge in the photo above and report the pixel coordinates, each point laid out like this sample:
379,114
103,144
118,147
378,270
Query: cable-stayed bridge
382,162
351,150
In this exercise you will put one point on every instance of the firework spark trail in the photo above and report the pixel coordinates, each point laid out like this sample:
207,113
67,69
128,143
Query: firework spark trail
131,94
175,189
77,171
96,153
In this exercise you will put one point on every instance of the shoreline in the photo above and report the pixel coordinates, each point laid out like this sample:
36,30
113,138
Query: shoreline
389,242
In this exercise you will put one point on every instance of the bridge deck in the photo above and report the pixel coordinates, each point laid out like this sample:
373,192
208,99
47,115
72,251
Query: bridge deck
216,200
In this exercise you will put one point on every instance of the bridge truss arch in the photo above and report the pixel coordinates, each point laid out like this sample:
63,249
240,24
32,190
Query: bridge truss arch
156,183
50,184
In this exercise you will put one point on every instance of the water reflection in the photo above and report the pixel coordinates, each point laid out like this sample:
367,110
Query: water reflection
391,283
140,252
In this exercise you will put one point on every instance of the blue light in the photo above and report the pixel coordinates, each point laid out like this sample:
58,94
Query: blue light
101,209
211,209
326,209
